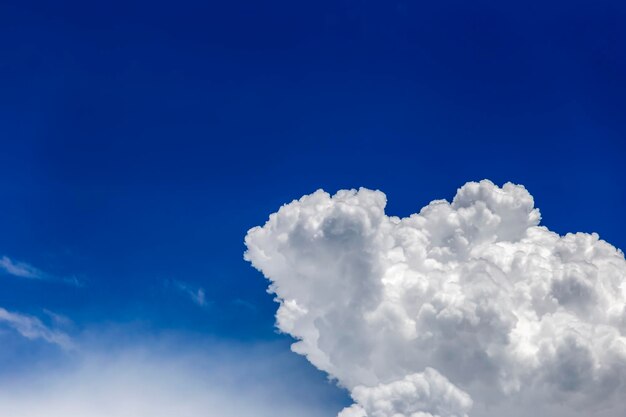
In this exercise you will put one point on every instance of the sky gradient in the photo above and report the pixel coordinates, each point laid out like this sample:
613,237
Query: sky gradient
142,140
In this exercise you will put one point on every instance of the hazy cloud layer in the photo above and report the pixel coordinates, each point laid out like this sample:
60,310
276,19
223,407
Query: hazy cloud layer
464,302
147,380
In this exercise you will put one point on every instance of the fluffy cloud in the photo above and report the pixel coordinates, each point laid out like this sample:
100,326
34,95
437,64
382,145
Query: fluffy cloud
468,301
418,395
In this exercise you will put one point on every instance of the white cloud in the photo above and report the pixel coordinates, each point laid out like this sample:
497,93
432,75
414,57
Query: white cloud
20,269
504,311
422,394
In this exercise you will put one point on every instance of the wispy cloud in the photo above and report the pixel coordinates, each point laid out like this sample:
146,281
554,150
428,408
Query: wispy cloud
196,294
238,302
20,269
58,319
28,271
32,328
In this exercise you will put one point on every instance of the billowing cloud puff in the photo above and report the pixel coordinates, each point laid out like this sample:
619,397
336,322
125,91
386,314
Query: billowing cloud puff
464,302
417,395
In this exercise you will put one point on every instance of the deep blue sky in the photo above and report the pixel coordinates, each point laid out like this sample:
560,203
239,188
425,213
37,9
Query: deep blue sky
141,140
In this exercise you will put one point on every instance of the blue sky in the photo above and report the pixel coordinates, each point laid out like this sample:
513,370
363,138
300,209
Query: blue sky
141,140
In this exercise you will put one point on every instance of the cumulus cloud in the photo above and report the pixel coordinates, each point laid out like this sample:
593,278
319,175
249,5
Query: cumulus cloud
467,307
422,394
